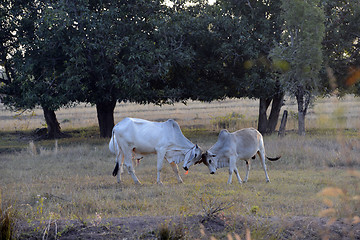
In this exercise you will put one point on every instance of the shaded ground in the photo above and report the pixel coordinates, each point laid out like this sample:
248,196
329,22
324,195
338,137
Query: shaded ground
195,227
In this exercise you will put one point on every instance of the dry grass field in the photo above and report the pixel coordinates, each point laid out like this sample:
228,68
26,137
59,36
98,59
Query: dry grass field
64,189
327,113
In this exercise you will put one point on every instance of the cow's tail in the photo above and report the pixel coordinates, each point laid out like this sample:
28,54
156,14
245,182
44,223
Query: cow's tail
273,159
117,153
116,169
263,151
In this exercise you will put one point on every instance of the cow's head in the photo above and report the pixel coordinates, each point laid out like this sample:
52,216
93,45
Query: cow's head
193,156
210,160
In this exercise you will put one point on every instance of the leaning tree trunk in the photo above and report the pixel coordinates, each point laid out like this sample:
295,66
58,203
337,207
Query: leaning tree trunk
263,121
277,103
105,115
267,125
53,126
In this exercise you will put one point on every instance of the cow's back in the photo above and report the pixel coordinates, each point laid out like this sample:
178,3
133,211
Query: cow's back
247,141
145,136
134,129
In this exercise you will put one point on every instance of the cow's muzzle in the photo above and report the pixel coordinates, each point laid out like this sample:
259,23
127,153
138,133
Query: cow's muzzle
186,168
212,172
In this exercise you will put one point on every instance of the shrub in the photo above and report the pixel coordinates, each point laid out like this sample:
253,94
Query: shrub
212,207
231,120
174,232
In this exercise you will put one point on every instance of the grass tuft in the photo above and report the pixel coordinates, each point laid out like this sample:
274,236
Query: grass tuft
8,218
167,231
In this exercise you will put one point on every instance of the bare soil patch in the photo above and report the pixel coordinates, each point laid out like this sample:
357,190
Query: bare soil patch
194,227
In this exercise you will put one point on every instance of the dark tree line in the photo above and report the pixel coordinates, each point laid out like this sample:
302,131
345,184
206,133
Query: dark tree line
57,53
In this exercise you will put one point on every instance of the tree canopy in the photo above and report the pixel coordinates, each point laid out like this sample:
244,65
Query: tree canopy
59,52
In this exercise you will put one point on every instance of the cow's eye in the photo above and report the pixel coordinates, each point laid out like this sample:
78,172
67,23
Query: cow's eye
209,161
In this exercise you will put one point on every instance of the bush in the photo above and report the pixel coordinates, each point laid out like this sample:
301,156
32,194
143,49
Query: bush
231,120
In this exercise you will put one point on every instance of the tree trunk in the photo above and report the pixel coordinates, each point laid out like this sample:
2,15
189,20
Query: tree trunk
301,123
263,121
268,125
303,101
276,105
53,126
105,115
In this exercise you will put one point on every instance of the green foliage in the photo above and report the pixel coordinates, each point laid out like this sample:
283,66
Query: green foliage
301,45
228,42
37,59
301,48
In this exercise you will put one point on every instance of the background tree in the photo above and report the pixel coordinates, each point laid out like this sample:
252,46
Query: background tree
264,26
34,59
303,32
229,42
113,56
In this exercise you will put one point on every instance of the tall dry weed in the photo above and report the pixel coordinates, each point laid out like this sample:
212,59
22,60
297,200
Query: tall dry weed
32,148
7,220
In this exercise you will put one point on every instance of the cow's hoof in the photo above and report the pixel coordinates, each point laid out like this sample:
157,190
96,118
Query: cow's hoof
160,183
267,181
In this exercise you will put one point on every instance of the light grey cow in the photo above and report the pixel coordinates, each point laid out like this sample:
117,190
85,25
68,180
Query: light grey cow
230,147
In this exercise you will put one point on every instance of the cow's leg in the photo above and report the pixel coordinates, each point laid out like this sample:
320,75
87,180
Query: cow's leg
160,160
230,176
233,168
121,169
176,171
262,158
248,166
236,171
130,168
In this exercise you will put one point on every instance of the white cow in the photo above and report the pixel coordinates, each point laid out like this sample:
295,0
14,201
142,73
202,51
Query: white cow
140,137
230,147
